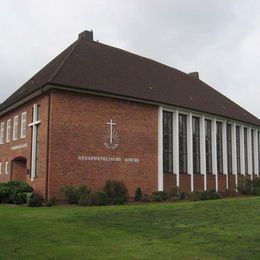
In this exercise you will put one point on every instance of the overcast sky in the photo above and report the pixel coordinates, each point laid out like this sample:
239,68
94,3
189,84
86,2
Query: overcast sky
218,38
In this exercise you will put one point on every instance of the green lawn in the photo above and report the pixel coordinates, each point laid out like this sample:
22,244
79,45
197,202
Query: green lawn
221,229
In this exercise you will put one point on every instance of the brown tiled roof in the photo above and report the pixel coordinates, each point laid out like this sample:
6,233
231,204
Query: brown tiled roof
93,66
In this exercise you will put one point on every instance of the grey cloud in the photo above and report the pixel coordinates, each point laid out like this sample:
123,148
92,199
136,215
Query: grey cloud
219,38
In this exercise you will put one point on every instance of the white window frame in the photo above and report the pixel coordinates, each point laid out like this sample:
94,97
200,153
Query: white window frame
0,168
2,130
6,168
8,130
15,128
23,124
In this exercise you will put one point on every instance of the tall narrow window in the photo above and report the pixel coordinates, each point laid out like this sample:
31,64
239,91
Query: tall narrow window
167,143
0,168
246,150
219,148
183,143
238,149
8,130
15,128
229,149
23,125
2,130
6,168
196,144
208,144
253,151
35,141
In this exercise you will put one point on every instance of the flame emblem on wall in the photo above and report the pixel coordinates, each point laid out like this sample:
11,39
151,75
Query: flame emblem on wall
111,136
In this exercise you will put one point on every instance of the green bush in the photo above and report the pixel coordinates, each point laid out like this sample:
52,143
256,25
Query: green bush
203,195
160,196
116,191
14,192
245,186
34,201
84,199
72,194
146,198
99,198
51,202
138,194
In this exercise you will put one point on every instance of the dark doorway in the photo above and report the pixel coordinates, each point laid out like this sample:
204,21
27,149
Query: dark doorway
18,169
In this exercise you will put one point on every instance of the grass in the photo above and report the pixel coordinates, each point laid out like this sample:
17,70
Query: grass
220,229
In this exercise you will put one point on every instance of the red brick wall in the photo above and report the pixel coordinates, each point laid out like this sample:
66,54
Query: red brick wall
211,182
185,182
169,181
77,126
7,154
198,182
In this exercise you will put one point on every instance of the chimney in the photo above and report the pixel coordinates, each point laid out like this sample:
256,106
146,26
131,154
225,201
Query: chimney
194,74
88,35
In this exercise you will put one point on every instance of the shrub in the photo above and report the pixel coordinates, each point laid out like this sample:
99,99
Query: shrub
14,192
146,198
51,202
160,196
84,199
194,196
203,195
138,194
34,201
116,191
99,198
245,186
72,194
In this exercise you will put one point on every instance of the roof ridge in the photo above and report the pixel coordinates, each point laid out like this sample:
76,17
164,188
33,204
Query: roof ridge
54,74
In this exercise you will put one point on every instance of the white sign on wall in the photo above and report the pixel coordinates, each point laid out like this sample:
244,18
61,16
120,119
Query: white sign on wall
111,136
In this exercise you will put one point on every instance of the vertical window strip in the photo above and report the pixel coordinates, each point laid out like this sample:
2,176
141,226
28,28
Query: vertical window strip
246,150
167,143
8,130
196,144
238,149
23,125
0,168
182,143
2,132
208,143
219,148
229,148
253,151
6,168
15,128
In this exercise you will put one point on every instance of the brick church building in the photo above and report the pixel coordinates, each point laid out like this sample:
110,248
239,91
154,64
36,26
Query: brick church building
96,112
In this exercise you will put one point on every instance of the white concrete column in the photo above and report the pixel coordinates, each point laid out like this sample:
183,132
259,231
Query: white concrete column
256,152
190,149
203,151
242,150
234,152
224,147
249,152
214,151
175,129
160,149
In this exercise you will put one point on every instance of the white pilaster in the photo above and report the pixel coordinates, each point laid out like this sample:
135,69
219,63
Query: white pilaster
256,152
176,146
214,151
234,152
224,147
160,149
249,152
203,151
242,150
190,149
